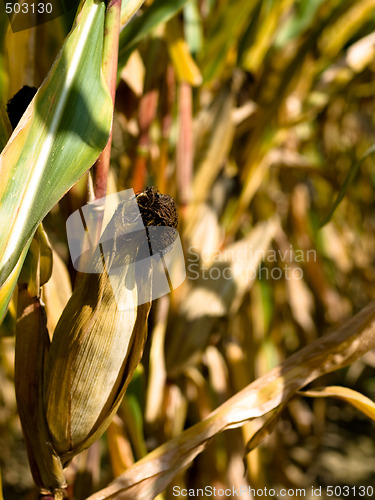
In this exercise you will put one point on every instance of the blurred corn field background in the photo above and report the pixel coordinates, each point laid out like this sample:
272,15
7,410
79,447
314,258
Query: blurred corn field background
258,118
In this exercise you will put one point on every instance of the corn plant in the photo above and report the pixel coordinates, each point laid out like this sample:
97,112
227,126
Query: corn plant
257,118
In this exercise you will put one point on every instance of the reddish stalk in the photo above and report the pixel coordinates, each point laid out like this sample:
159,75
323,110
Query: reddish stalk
110,57
185,153
167,107
147,113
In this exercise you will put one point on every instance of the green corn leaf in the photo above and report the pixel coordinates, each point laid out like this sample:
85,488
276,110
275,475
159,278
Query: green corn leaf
347,182
159,12
57,140
228,22
128,9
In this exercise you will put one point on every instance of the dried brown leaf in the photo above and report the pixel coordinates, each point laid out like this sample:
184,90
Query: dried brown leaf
355,398
152,474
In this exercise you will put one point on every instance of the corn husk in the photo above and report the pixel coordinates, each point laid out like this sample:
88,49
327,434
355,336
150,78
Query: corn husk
97,343
95,350
32,344
78,385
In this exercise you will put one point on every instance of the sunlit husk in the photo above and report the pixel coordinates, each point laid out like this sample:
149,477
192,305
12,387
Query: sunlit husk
95,349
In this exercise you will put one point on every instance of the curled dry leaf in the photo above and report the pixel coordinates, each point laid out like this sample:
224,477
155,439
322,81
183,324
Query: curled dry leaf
355,398
152,474
32,344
